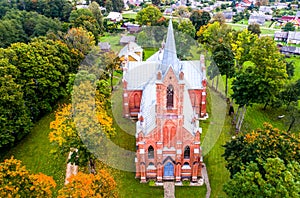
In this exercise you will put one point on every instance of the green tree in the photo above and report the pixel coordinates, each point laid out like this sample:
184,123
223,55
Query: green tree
213,71
15,122
254,29
270,178
293,116
11,32
60,9
57,9
156,2
214,34
223,57
241,44
108,6
111,62
149,16
217,37
186,27
199,18
21,26
289,26
243,86
267,68
95,9
84,18
261,144
80,39
44,65
118,5
290,93
290,68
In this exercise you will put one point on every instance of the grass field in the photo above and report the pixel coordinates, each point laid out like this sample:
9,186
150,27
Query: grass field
114,40
129,15
149,52
264,30
35,152
296,60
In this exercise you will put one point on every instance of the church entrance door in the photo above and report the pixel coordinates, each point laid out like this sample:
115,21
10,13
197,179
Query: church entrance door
169,170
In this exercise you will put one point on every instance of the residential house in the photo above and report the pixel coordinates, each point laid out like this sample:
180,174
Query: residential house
290,50
293,19
293,37
104,46
281,36
132,28
280,6
228,16
257,19
115,16
126,39
131,52
266,9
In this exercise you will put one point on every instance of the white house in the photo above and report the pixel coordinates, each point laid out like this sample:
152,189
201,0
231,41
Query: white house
115,16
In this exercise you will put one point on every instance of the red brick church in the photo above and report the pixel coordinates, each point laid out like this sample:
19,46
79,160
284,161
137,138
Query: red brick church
167,97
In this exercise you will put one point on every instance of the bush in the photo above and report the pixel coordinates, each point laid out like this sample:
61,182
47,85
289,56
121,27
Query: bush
186,183
151,183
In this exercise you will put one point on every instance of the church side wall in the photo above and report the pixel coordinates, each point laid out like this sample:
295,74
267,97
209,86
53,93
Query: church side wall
198,100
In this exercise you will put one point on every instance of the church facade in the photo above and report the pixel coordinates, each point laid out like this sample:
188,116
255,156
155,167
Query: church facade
167,97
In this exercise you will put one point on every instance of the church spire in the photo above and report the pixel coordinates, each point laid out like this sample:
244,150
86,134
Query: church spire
170,56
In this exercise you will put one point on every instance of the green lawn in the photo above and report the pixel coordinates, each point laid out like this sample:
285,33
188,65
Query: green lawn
129,15
35,152
264,30
114,41
149,52
267,31
296,59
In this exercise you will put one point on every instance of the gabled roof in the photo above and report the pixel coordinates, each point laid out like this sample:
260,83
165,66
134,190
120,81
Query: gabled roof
138,74
114,16
104,45
294,36
130,49
281,35
127,39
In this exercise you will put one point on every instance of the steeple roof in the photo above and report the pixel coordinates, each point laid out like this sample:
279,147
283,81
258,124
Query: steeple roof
170,56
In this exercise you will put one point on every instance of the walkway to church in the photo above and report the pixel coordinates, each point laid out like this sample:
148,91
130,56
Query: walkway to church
206,180
169,187
169,190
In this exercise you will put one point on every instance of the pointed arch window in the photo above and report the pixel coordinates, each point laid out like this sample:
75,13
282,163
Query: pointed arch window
170,96
136,101
187,152
150,152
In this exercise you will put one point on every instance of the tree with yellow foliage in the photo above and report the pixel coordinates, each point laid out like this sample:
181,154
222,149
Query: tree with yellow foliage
84,123
17,181
89,185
